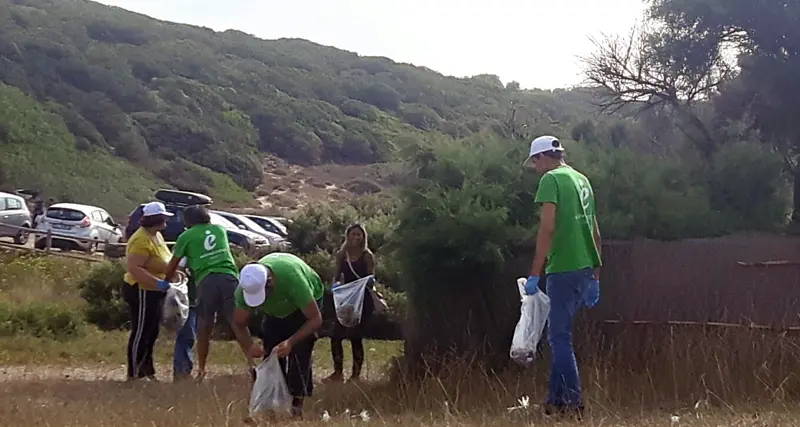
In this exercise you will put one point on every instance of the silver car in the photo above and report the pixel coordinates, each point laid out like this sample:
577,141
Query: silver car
269,223
14,211
80,227
245,223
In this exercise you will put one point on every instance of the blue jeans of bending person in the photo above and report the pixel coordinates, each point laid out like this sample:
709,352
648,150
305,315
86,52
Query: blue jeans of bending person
566,291
184,343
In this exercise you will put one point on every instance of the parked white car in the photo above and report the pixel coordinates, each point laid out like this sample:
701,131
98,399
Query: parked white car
270,223
73,223
14,211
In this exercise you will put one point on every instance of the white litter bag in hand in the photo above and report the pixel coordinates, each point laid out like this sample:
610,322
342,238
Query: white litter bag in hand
270,392
176,306
348,300
533,316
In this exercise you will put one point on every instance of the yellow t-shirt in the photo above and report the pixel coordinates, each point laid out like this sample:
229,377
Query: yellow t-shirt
158,254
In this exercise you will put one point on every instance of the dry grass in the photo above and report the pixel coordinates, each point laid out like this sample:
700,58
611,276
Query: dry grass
632,375
692,378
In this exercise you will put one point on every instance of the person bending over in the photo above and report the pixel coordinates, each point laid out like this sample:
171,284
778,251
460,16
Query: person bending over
288,293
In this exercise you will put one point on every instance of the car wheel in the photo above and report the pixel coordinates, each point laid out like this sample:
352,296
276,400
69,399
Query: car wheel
22,237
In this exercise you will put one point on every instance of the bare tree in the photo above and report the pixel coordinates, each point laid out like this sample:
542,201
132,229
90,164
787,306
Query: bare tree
658,68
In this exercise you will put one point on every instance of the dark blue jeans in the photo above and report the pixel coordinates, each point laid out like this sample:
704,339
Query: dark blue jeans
566,291
184,343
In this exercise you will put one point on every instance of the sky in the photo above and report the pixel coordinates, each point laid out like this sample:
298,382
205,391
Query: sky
534,42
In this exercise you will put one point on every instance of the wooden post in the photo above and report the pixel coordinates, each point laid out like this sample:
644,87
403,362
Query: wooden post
49,240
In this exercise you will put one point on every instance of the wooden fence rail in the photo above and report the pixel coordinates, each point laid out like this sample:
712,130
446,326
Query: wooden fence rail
50,234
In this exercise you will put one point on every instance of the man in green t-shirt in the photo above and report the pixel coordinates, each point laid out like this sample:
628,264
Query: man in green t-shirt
289,294
206,248
568,252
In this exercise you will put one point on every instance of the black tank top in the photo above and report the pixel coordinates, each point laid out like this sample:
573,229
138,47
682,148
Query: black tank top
359,265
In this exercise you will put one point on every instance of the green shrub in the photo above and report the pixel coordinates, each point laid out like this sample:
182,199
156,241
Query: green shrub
397,302
102,291
470,204
323,263
320,227
387,271
42,321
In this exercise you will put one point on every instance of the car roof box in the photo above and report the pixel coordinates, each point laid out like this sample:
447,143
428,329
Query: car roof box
175,197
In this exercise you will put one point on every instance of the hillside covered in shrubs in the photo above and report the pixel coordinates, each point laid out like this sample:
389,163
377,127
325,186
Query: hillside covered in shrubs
182,103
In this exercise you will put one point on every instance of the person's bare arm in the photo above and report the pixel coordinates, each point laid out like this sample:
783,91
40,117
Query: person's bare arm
370,261
172,267
313,322
240,319
136,268
547,227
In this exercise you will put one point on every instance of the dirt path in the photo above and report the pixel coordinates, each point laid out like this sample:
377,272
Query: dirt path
92,373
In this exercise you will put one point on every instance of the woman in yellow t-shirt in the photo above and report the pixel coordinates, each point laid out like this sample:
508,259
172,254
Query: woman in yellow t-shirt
147,257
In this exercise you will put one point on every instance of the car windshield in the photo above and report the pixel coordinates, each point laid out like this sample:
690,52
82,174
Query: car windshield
268,224
252,226
277,224
218,219
65,214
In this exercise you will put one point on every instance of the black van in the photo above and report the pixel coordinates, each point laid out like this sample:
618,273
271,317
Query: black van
175,201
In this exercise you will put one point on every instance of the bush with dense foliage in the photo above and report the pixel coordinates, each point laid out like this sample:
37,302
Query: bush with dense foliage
470,210
102,291
42,321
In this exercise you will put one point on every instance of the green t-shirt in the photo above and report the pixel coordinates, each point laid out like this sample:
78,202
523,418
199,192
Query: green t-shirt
295,285
573,246
208,251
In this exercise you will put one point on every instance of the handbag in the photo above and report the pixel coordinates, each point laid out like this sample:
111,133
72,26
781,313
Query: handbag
378,301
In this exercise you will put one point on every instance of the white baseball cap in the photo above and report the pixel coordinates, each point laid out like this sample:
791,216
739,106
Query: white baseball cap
253,281
155,208
543,144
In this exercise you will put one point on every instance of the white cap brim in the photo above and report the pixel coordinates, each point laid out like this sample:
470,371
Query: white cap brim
528,161
255,299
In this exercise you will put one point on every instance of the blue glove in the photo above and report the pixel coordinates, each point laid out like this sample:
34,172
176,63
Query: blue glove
532,285
162,285
592,294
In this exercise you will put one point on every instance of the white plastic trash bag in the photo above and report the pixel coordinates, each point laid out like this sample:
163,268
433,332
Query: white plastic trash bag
532,319
176,306
348,300
270,392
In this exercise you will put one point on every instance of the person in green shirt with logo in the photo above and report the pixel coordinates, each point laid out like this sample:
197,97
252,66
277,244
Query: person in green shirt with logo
206,248
568,253
288,292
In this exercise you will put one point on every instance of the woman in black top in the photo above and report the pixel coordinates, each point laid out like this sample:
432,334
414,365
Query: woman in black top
353,261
